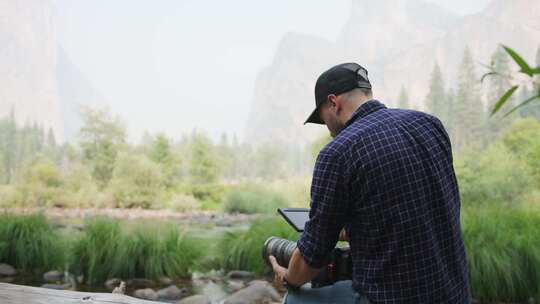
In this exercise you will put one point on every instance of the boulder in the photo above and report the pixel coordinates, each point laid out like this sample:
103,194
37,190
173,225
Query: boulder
172,293
140,283
53,276
235,285
165,281
146,293
241,275
110,284
196,299
7,270
256,292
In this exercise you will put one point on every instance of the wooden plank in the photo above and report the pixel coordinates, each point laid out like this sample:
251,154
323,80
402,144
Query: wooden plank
17,294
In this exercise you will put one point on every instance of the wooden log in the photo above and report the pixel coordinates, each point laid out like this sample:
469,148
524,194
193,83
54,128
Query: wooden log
17,294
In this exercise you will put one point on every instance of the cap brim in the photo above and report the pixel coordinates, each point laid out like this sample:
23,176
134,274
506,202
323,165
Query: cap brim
315,118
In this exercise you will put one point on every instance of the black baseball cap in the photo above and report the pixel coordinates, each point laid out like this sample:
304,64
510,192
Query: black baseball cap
337,80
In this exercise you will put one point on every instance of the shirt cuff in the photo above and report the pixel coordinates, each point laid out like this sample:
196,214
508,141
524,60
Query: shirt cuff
308,250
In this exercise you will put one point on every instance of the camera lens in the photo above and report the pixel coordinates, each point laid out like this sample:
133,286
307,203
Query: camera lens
281,249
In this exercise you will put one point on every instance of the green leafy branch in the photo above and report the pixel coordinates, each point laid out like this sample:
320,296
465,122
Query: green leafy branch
525,69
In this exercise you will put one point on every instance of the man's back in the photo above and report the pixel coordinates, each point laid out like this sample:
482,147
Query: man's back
402,206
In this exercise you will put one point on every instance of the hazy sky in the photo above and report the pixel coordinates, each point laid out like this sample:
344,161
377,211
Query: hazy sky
173,66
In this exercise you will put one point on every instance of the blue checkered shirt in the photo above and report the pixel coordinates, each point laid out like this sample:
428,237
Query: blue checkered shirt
388,179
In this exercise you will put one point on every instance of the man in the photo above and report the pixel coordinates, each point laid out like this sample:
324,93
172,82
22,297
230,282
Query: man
386,183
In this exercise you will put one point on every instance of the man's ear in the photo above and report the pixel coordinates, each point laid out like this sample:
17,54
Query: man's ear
332,101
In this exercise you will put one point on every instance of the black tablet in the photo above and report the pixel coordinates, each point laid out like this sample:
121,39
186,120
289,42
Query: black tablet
296,217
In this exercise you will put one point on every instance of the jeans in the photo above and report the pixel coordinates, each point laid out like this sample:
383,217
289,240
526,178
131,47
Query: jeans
339,293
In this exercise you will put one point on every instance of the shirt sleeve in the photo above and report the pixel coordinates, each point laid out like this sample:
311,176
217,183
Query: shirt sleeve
328,210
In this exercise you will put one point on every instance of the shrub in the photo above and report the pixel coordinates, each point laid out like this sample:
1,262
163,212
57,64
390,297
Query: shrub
10,196
207,192
492,176
137,182
253,200
183,203
30,244
40,184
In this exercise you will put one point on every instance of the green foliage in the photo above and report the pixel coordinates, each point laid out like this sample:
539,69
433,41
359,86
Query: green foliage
494,176
136,182
212,192
503,253
467,107
523,139
101,138
30,244
530,71
107,249
183,203
162,154
242,250
252,200
436,101
41,183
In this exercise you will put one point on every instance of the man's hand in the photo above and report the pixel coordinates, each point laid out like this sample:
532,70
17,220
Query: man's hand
298,272
279,271
343,236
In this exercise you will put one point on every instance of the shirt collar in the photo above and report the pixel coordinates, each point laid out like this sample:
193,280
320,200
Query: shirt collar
365,109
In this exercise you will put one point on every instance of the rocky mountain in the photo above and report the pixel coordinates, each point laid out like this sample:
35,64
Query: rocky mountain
38,80
398,41
28,56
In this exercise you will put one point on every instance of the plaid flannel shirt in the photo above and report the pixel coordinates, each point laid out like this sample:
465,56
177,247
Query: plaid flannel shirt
388,179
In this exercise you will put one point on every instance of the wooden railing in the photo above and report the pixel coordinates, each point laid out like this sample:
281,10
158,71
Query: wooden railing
19,294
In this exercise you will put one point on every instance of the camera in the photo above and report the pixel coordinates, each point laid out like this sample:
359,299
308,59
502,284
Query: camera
338,268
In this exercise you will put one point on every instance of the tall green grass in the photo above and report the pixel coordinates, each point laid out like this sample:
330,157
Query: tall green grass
30,244
243,250
503,248
107,250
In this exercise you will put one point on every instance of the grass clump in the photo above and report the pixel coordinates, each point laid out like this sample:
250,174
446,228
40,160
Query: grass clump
503,252
107,250
242,250
253,200
30,244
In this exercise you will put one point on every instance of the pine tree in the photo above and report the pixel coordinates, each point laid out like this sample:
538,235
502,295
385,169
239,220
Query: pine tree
469,110
162,154
10,135
51,140
101,139
436,100
497,86
204,167
403,100
448,122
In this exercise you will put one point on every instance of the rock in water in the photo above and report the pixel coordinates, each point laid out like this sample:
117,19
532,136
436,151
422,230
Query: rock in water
7,270
235,285
120,289
256,292
241,275
165,281
147,294
171,293
110,284
53,276
197,299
